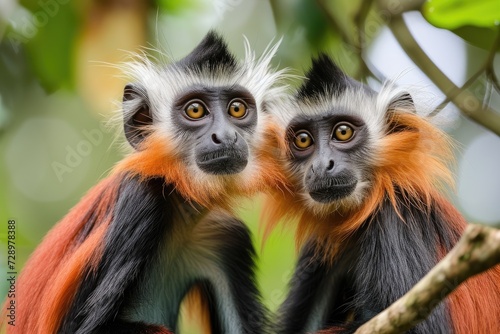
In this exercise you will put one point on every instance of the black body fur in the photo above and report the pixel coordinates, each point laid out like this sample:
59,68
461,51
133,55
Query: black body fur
382,262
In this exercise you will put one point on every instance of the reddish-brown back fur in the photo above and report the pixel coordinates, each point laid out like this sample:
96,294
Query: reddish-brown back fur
475,304
51,275
413,158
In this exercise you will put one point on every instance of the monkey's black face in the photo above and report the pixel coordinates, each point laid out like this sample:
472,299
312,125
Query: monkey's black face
325,149
219,120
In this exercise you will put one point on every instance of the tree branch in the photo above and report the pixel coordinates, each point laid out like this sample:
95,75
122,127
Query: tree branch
477,251
467,102
355,44
335,26
396,8
490,73
360,19
490,67
487,67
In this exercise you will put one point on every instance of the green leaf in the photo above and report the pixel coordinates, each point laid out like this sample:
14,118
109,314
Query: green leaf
176,6
310,16
452,14
50,51
477,36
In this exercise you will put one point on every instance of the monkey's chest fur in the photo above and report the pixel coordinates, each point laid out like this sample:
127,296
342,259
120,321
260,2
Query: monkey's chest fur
192,253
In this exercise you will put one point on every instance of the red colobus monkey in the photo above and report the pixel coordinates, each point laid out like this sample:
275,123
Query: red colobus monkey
160,225
365,170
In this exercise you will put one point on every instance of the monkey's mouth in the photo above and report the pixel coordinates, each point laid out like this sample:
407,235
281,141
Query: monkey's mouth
332,189
222,162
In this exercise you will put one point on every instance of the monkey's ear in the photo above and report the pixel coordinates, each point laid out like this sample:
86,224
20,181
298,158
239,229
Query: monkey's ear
402,101
136,114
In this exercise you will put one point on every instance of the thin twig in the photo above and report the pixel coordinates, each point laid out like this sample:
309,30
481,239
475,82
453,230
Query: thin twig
487,67
490,66
450,96
490,73
396,8
360,20
357,46
466,101
487,94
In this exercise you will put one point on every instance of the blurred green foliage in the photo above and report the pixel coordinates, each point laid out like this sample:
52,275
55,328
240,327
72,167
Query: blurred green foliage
50,36
51,51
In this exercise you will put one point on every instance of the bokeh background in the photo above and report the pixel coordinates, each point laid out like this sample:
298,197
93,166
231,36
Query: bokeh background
59,86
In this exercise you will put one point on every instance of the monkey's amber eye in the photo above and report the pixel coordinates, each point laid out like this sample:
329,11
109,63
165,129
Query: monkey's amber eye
343,132
237,109
195,110
303,140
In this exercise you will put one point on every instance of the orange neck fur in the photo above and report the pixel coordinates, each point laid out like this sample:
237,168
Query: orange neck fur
158,158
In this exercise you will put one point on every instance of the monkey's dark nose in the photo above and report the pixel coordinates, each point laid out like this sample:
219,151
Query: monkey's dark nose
330,165
224,138
215,139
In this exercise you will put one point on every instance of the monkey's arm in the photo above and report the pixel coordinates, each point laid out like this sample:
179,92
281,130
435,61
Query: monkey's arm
314,288
238,258
131,242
